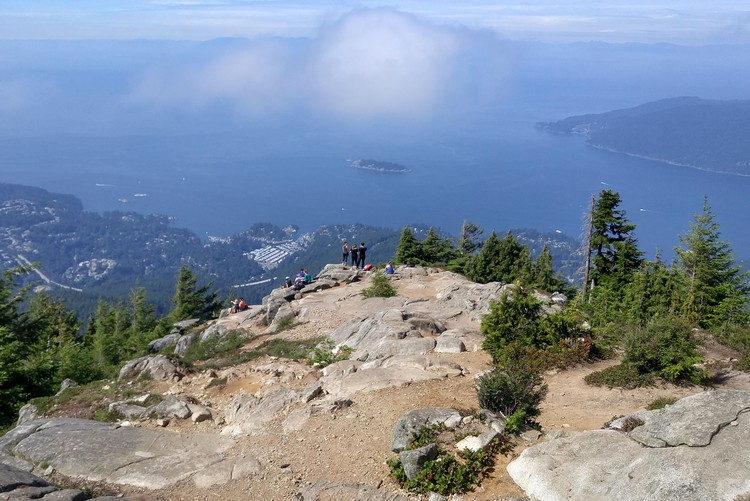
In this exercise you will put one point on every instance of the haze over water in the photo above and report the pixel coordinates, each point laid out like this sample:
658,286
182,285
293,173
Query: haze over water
227,132
515,175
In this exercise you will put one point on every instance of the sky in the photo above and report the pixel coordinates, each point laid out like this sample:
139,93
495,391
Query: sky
690,22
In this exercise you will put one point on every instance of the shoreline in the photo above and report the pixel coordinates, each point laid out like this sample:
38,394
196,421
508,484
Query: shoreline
661,160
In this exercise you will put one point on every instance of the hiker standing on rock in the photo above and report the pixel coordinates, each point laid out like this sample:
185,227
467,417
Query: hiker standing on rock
355,255
345,252
362,255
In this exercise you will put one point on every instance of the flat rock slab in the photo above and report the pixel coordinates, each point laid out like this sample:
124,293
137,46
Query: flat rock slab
602,465
120,455
692,421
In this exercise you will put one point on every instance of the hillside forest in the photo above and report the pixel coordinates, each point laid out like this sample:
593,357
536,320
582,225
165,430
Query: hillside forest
651,313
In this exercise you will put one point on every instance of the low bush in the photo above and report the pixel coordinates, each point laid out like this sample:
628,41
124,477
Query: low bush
515,387
325,353
517,322
453,472
380,286
661,402
214,346
289,349
667,348
624,376
285,324
736,336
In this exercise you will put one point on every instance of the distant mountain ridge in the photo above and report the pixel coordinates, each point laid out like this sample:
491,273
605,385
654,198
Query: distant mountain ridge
689,131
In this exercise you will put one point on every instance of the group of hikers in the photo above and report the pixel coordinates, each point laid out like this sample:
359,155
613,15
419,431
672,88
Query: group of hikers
238,305
303,278
359,255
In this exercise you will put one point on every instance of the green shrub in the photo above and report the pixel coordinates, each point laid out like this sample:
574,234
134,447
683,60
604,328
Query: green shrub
517,322
289,349
450,473
736,336
453,475
323,354
661,402
427,434
515,422
214,346
665,347
285,324
743,364
624,376
606,340
517,386
380,286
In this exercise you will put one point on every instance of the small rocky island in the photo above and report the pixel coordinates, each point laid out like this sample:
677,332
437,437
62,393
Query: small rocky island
378,165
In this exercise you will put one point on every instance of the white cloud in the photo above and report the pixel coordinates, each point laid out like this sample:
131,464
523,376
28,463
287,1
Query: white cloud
376,63
382,62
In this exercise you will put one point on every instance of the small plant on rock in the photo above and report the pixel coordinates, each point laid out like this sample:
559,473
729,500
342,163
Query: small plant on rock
380,286
661,402
326,353
453,472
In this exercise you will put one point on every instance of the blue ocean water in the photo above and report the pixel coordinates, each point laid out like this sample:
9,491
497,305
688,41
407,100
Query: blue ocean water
500,176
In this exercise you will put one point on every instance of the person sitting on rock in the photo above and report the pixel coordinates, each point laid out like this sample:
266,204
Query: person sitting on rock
242,305
234,306
299,282
389,269
287,282
307,277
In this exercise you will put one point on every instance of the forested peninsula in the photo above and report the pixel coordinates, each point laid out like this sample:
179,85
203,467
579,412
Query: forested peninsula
704,134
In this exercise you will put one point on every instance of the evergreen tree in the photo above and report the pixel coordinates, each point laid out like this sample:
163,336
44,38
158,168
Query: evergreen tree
53,324
542,274
716,290
653,292
409,250
615,251
499,260
436,249
144,326
468,245
191,301
482,268
468,242
26,365
109,335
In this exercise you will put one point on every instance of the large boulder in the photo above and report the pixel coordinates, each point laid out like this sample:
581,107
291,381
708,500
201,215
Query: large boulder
338,273
413,460
693,450
344,379
101,452
162,343
159,368
467,298
170,407
387,333
184,344
411,422
247,414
